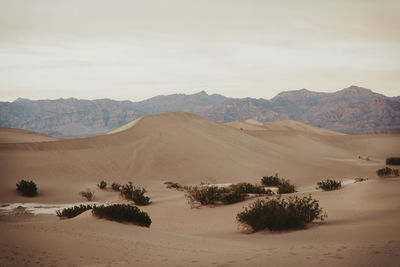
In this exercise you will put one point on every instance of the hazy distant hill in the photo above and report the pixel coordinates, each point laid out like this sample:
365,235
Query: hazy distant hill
351,110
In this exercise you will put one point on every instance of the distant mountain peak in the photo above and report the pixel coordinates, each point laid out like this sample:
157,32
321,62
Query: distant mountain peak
20,99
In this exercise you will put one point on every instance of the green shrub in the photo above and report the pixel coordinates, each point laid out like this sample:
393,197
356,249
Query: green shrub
248,188
122,213
281,214
173,185
205,195
135,193
329,184
285,187
73,212
359,179
387,172
87,194
28,189
270,180
116,186
393,161
102,184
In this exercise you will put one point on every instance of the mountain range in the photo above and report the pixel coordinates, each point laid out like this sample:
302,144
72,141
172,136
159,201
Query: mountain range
351,110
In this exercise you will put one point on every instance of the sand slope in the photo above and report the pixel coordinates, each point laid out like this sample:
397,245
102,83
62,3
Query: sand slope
361,230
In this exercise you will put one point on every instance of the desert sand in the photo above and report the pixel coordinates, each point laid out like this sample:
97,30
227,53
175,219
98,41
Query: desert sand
362,228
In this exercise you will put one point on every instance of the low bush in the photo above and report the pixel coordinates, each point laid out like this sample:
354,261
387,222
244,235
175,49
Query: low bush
173,185
359,179
387,172
116,186
281,214
27,188
329,184
393,161
135,193
122,213
102,184
270,180
284,186
248,188
73,212
87,194
205,195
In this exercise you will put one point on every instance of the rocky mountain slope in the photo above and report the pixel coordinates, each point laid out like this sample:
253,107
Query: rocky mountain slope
351,110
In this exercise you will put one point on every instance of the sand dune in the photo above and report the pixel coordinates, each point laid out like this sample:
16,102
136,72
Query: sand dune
9,135
361,229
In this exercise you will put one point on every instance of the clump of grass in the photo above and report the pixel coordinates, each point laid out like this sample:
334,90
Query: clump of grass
281,214
122,213
73,212
210,195
329,184
387,172
393,161
284,186
87,194
174,185
116,187
359,179
135,193
102,184
271,180
27,188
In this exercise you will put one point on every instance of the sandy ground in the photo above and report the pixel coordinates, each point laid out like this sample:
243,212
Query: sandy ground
361,228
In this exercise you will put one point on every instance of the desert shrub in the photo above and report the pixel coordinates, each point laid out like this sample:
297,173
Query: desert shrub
87,194
387,172
173,185
270,180
116,186
102,184
248,188
285,187
359,179
232,196
281,214
393,161
135,193
329,184
122,213
205,195
26,188
73,212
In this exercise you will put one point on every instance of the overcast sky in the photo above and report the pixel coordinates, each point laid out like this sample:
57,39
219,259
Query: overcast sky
139,49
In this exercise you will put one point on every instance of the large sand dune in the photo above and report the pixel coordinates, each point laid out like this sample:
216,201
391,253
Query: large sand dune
361,230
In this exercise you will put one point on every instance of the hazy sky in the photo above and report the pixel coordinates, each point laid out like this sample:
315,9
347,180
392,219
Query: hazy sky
138,49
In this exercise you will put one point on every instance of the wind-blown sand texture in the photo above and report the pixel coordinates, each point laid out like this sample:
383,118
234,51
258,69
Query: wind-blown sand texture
362,228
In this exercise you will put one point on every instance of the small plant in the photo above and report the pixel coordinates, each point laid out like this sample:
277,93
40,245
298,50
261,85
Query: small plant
116,187
73,212
359,179
122,213
87,194
328,185
393,161
271,180
173,185
28,189
135,193
248,188
205,195
285,187
281,214
102,184
387,172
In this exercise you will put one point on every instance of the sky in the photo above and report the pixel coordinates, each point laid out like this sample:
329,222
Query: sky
133,50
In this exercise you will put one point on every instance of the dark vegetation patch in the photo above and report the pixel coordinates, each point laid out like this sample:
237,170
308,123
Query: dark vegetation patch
387,172
329,184
280,214
27,188
393,161
73,211
122,213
